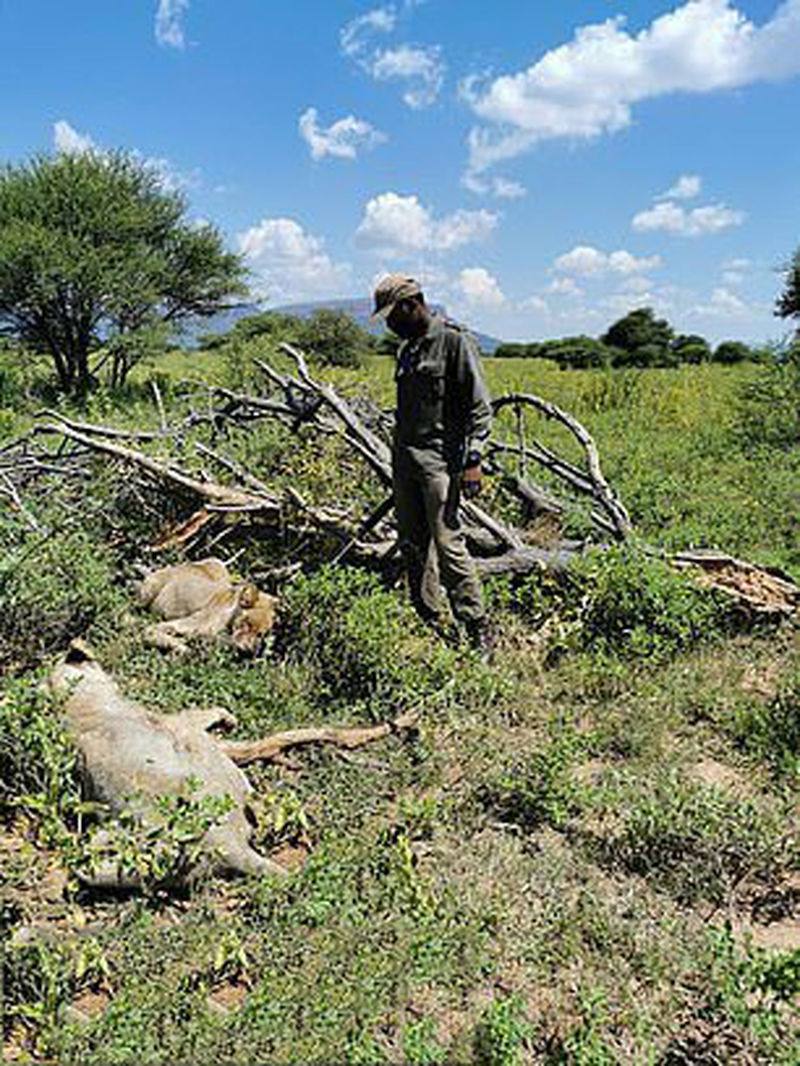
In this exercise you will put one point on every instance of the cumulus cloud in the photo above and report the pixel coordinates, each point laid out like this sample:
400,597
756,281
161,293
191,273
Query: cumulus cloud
674,218
69,142
480,288
535,303
501,188
685,188
342,139
636,284
291,264
589,86
394,224
420,66
169,23
355,36
586,261
723,304
565,287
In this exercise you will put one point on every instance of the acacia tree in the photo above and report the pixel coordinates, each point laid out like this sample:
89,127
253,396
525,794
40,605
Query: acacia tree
96,254
788,303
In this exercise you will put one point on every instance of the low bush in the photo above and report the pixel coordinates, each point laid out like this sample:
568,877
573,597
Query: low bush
53,588
771,731
38,762
634,605
535,788
364,644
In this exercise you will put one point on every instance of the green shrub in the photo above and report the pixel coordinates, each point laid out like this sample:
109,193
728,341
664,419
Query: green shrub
502,1032
361,641
53,588
536,788
38,762
771,731
768,408
636,606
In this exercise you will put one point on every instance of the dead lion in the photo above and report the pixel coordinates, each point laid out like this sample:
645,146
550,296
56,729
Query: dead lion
131,755
201,600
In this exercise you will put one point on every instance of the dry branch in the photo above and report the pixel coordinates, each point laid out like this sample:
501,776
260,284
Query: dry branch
273,746
593,481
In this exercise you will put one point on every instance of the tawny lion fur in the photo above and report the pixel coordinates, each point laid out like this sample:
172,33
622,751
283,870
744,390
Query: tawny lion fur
200,599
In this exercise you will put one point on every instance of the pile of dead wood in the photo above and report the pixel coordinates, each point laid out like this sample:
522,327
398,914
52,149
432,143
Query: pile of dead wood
212,506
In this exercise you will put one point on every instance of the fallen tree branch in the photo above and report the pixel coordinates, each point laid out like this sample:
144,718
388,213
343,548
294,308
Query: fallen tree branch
599,487
273,746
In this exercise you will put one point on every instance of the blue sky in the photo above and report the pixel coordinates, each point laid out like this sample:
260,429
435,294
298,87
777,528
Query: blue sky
542,167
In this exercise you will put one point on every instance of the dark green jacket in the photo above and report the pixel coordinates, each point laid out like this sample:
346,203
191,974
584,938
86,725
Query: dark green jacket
442,399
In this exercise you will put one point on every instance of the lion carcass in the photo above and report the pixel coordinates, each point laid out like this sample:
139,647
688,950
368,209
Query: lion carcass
131,755
200,599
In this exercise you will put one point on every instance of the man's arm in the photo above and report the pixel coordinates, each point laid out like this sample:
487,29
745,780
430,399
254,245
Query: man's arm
476,408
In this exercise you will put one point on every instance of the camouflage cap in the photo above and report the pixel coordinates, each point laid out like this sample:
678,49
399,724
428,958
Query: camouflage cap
390,290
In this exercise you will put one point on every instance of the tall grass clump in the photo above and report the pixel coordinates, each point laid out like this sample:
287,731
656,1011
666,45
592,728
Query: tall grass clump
693,841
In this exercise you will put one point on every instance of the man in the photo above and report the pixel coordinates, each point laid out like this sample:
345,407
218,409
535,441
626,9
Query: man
443,417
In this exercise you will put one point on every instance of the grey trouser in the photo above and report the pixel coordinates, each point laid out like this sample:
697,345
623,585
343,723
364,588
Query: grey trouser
431,539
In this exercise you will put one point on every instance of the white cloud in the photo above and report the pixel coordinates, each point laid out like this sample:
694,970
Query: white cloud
169,23
501,188
739,263
69,142
342,139
291,264
588,86
565,287
723,304
479,287
354,38
636,284
685,188
420,66
674,218
591,262
170,178
394,224
535,303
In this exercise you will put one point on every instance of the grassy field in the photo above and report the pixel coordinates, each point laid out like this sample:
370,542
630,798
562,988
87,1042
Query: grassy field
587,853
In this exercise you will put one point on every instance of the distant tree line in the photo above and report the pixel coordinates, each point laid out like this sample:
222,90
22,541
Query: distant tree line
329,336
637,339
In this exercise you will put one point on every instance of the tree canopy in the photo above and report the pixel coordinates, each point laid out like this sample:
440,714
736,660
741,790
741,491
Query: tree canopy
788,303
96,254
644,339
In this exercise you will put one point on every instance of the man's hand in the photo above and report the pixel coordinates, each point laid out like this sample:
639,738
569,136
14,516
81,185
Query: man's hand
472,480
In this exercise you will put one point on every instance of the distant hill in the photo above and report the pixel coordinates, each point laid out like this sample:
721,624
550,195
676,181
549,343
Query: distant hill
359,308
